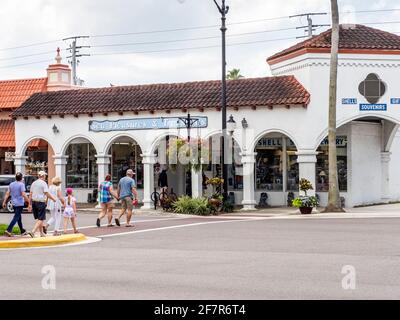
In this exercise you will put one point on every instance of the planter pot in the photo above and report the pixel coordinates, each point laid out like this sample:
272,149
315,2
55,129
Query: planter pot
306,210
215,202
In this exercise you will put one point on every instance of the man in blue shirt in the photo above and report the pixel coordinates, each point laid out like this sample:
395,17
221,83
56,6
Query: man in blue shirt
126,191
16,190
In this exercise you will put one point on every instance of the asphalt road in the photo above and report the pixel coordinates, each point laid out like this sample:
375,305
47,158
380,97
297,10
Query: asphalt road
252,259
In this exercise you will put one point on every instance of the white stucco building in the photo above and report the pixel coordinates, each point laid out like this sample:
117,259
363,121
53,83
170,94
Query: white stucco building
98,131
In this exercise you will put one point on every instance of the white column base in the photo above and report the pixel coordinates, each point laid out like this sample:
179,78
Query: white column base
248,206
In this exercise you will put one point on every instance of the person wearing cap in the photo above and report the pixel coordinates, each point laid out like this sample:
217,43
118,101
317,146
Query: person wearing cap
126,192
16,190
38,196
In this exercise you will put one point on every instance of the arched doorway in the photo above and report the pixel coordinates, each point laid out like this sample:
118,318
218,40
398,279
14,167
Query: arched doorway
214,168
81,171
39,157
166,159
367,149
125,153
276,169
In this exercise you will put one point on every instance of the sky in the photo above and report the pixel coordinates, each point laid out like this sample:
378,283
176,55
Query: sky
127,47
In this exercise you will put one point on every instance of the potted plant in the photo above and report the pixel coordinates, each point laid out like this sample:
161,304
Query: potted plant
305,203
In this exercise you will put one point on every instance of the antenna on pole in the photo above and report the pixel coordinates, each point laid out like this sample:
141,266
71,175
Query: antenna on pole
310,27
74,50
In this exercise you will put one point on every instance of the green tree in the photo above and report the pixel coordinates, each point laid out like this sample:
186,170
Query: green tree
234,74
333,196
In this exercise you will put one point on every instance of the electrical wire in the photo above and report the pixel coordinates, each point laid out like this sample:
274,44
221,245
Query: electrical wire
189,48
188,39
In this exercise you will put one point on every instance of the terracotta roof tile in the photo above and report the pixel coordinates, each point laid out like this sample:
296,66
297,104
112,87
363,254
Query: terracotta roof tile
357,36
14,92
206,94
7,134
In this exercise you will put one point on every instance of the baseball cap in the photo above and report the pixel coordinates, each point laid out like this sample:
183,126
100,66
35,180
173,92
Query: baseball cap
130,172
42,173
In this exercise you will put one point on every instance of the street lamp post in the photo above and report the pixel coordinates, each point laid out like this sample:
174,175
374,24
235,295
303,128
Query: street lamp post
223,9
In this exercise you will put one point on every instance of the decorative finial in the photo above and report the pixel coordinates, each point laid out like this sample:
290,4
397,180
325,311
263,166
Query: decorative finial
58,57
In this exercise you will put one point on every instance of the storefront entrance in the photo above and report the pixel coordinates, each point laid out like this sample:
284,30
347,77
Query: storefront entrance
126,154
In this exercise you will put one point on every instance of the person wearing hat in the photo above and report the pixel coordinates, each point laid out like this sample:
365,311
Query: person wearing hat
126,190
38,196
16,190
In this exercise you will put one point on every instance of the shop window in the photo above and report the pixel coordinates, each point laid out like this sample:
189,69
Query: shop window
292,167
276,162
81,166
269,169
322,167
126,156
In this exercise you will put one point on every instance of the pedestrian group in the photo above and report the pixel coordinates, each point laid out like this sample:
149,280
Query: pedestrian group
43,198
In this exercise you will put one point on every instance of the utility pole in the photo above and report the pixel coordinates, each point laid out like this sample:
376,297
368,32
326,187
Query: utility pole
74,50
310,27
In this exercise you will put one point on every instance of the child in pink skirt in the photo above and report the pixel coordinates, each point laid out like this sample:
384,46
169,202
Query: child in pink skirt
70,210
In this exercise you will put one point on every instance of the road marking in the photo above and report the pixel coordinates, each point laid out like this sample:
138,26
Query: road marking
135,221
89,240
175,227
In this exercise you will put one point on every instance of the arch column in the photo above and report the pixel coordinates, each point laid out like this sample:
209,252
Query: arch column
197,184
60,163
148,161
385,188
19,163
248,160
103,161
307,160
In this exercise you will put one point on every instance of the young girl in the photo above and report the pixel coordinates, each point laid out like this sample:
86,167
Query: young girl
70,211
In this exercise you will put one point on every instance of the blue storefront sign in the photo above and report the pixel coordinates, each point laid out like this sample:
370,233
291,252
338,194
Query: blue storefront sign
144,124
373,107
395,101
349,101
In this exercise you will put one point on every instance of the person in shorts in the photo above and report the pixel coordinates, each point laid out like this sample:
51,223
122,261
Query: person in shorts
126,193
38,196
106,194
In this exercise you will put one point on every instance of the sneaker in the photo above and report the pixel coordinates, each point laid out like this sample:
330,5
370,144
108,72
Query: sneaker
24,233
98,223
117,222
8,234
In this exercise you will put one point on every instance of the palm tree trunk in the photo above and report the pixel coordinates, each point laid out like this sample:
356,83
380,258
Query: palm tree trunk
333,197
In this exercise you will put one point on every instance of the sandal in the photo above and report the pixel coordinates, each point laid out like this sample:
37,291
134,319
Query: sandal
117,222
129,226
110,225
8,234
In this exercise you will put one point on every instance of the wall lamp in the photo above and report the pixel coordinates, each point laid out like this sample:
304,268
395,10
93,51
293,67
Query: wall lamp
245,125
55,129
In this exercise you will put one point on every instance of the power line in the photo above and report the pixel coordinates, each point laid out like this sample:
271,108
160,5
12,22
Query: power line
187,28
188,39
24,64
189,48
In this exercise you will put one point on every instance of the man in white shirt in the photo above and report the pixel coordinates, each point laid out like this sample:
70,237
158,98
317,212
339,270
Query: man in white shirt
38,195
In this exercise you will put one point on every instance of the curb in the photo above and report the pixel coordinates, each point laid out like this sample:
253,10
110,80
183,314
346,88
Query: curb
42,242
